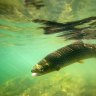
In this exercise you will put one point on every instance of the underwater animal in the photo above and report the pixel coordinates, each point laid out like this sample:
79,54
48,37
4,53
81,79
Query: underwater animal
70,30
63,57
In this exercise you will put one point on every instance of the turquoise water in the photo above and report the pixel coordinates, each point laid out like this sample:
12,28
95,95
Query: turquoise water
22,45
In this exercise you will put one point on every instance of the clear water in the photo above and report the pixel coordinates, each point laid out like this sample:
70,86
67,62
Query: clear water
22,45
